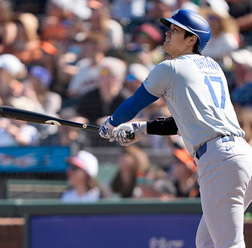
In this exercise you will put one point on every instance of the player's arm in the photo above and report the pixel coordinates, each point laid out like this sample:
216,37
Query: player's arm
127,111
159,126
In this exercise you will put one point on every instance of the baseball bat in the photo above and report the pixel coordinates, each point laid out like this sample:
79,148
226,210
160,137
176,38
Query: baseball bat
30,116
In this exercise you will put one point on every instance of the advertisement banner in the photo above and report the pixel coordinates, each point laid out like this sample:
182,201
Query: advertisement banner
33,159
113,231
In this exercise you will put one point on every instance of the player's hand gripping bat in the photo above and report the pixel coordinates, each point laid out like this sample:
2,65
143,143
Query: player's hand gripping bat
30,116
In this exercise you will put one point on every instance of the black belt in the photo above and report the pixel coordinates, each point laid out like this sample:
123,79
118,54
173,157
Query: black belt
203,148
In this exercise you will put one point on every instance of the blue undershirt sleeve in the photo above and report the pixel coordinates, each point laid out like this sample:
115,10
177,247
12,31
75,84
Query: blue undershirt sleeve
132,106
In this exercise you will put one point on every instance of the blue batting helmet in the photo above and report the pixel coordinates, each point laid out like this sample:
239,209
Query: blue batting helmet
191,22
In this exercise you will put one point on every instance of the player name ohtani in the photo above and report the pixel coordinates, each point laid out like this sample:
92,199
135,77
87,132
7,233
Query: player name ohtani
206,63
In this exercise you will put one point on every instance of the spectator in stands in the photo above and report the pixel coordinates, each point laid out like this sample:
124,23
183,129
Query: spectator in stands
75,138
99,103
12,70
154,9
188,4
132,160
36,88
146,39
6,14
157,8
242,74
241,10
100,22
244,115
6,138
219,6
82,177
123,10
21,38
137,73
158,179
62,20
38,81
24,134
224,35
85,80
185,175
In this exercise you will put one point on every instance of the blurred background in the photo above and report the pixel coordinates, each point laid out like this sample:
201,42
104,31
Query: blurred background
78,60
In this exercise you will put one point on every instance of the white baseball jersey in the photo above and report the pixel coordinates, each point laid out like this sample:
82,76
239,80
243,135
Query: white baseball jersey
196,93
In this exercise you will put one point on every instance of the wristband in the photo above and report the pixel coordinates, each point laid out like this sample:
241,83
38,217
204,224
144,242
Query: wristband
162,126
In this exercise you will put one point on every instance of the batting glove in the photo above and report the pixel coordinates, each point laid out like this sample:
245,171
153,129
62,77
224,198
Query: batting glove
139,129
106,130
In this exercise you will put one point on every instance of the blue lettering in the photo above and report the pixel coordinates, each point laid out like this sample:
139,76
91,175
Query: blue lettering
206,63
197,63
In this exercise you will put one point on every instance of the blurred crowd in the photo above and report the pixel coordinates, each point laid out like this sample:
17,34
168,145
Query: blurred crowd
79,59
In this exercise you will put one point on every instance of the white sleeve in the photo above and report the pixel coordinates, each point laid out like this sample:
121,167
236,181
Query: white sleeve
159,79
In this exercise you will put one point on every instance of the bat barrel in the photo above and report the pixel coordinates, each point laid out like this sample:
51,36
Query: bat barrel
29,116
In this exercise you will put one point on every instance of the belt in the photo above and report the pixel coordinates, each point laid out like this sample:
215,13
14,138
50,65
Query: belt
203,148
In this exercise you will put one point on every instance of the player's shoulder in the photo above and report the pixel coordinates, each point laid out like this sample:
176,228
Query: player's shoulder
181,59
189,61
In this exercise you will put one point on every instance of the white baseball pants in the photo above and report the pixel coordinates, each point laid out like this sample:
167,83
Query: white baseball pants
225,179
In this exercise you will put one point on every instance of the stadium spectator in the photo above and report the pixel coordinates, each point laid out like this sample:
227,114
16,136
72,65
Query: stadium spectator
21,38
154,9
124,9
136,74
75,138
18,133
39,80
62,21
82,177
131,161
94,47
99,103
241,10
6,14
242,74
244,115
224,35
158,179
147,38
36,88
100,22
24,134
219,6
157,8
185,175
12,70
6,138
188,4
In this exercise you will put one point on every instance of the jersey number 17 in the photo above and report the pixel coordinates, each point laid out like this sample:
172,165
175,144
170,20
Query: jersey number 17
210,81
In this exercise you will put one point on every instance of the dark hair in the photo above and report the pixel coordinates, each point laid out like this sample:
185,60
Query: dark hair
196,48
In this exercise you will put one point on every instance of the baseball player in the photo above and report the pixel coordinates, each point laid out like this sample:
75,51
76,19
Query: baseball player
196,93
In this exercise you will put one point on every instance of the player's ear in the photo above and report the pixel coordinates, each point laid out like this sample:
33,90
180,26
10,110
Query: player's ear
192,40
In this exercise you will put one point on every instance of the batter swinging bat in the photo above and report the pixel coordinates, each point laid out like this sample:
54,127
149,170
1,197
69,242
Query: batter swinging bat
30,116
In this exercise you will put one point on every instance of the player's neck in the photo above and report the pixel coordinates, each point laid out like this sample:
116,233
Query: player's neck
186,51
